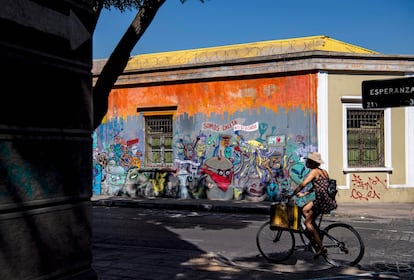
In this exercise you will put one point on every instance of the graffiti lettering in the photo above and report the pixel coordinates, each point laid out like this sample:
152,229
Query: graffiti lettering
372,194
218,127
252,127
210,126
365,189
229,125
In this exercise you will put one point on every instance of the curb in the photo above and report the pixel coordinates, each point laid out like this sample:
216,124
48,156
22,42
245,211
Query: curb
384,211
213,206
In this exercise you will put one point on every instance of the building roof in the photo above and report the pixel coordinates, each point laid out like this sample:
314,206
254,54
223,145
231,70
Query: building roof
238,51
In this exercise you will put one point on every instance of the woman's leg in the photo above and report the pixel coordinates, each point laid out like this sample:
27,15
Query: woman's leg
307,211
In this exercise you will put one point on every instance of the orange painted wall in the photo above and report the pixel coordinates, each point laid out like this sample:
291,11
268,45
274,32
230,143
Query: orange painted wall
284,106
290,93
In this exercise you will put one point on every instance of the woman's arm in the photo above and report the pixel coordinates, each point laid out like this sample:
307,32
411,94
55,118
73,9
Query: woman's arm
305,181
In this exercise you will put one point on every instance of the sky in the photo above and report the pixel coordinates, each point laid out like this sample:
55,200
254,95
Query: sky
385,26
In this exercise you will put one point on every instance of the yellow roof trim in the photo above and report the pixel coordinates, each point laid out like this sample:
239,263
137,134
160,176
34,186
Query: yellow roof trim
247,50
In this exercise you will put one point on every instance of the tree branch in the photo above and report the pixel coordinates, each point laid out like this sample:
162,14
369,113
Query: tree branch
119,58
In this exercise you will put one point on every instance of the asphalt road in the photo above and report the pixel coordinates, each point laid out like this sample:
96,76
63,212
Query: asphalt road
137,243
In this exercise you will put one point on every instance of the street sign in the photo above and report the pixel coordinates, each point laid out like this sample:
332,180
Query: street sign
388,93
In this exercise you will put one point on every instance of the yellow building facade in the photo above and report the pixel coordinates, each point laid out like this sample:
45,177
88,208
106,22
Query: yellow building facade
236,122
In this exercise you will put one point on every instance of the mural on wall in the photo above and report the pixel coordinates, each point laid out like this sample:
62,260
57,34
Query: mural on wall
233,139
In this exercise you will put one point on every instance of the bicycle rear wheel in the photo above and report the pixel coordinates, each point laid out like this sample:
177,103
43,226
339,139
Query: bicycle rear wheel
343,243
275,245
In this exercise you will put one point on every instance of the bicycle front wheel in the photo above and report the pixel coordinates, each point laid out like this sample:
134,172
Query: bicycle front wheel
343,243
275,245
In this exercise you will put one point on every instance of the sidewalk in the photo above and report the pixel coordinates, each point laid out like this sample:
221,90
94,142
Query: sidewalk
356,210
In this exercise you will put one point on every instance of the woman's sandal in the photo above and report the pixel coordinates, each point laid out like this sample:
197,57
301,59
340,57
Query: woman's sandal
320,252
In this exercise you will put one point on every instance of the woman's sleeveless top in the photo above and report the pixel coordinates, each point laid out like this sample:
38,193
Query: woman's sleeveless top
323,203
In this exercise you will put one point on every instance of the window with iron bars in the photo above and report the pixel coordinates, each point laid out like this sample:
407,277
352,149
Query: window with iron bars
158,141
365,138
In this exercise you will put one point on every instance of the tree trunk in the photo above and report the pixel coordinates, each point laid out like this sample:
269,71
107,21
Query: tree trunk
119,58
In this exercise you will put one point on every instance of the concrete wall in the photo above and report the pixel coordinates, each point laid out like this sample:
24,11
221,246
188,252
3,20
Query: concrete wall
45,141
364,186
206,121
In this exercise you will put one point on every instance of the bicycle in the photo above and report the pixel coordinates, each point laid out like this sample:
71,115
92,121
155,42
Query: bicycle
343,242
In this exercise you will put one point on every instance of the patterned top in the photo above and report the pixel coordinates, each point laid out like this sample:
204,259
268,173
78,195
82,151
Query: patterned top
323,203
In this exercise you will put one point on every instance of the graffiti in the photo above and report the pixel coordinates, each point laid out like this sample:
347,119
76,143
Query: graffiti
248,128
217,182
276,140
115,178
367,189
173,189
187,171
219,127
159,182
239,164
195,186
96,178
138,184
225,148
262,130
111,165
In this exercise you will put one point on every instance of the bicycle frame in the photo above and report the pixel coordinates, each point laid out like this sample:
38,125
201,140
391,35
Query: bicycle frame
331,241
302,232
343,243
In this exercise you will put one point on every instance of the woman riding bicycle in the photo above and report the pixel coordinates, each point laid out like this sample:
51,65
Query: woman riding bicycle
322,204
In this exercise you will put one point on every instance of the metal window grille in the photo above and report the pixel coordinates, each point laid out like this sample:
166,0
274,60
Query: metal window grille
365,138
158,141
